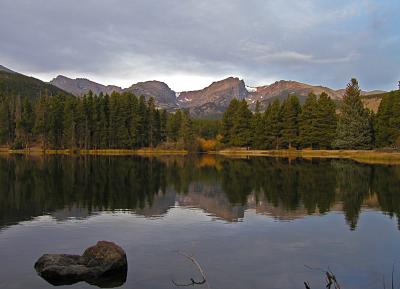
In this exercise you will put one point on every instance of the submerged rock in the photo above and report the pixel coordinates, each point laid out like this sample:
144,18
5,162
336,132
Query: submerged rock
103,265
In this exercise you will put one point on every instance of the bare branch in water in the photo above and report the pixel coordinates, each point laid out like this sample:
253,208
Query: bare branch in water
330,278
192,281
392,276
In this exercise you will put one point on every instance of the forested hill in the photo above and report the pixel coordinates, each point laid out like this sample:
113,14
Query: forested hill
12,84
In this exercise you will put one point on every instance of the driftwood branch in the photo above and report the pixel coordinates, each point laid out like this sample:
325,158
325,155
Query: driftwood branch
329,276
192,281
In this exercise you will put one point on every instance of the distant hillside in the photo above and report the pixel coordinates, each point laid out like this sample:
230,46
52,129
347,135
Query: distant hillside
163,95
25,86
80,86
372,101
281,89
5,69
209,102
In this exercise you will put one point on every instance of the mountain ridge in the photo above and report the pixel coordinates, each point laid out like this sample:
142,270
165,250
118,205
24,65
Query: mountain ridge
210,101
16,84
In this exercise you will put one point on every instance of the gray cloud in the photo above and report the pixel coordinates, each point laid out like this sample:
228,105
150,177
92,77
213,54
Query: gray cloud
188,43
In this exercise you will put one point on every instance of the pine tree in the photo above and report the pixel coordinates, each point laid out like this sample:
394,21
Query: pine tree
290,121
258,129
105,132
6,121
153,123
387,120
308,132
18,142
80,123
354,129
186,133
55,114
273,125
163,125
326,121
27,122
173,126
241,134
133,120
142,136
228,122
41,128
69,132
123,120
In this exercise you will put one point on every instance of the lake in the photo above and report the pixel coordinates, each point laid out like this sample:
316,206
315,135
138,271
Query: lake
250,222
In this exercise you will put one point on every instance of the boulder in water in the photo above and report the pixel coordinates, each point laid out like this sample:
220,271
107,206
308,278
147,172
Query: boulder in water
103,264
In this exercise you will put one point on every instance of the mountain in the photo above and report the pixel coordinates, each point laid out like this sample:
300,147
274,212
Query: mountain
12,84
80,86
5,69
214,99
281,89
163,95
363,92
210,102
220,93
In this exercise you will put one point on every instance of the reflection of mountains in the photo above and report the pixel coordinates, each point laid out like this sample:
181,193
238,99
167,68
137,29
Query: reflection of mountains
212,200
224,188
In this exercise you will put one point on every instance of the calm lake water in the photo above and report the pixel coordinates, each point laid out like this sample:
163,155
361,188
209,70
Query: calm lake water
251,222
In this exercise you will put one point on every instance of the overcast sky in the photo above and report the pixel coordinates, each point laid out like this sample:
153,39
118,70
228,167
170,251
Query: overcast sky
189,43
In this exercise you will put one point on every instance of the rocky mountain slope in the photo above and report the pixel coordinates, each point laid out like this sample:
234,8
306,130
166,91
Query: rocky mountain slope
164,96
80,86
219,92
209,102
214,99
281,89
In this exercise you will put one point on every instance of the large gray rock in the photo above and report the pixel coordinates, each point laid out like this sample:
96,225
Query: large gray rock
104,265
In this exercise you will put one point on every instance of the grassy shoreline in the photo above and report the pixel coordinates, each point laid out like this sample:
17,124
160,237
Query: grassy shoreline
364,156
108,152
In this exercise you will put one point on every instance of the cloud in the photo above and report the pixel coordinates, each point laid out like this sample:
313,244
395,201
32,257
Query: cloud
124,41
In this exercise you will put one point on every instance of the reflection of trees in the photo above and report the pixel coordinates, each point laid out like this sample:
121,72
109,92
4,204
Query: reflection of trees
353,187
278,179
317,185
31,187
386,185
236,180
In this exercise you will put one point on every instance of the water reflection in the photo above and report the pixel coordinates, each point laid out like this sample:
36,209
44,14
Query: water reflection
225,188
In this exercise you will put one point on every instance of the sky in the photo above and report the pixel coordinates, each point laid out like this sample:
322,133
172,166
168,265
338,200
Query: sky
190,43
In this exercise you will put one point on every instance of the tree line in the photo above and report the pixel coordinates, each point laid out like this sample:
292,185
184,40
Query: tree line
125,121
116,121
319,123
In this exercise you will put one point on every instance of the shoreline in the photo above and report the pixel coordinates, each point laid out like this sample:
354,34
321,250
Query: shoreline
94,152
364,156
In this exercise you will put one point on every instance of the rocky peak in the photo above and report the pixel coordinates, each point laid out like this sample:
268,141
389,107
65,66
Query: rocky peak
219,92
80,86
163,95
281,89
